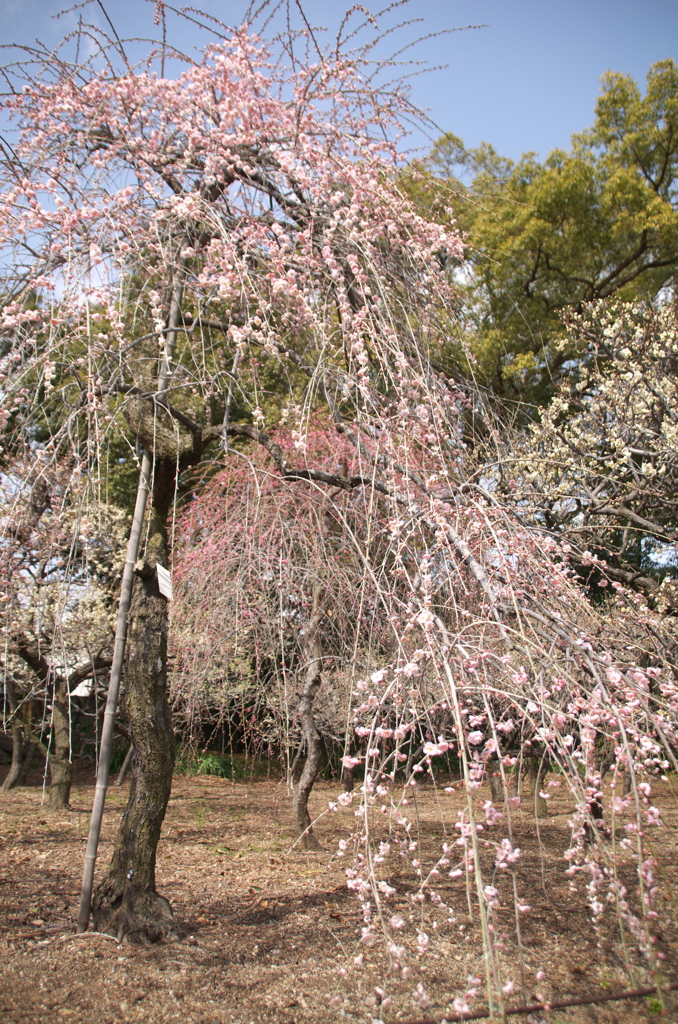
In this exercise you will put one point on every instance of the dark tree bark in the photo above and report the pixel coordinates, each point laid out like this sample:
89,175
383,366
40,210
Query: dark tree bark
310,735
347,779
21,751
126,903
12,777
296,767
497,789
27,759
504,785
60,753
125,766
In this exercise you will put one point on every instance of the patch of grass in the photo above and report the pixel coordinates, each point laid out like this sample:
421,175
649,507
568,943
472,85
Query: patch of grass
208,762
221,765
235,813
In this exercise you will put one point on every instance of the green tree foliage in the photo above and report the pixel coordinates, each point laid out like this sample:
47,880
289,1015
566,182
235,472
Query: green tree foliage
597,221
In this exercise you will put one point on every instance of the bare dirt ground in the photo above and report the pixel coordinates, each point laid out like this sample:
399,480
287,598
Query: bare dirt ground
268,928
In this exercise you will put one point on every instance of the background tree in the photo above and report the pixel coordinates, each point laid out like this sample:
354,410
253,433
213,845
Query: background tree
598,470
282,602
59,556
544,237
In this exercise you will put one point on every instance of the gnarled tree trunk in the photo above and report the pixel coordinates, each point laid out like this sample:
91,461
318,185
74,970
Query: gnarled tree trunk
126,903
310,734
501,786
29,750
497,788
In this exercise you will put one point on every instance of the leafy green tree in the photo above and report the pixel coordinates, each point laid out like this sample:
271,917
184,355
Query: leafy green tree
597,221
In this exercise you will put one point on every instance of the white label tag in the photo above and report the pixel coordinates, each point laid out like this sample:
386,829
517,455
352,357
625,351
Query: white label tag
164,581
83,689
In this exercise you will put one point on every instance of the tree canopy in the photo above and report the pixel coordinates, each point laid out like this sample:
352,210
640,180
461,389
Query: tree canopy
598,468
597,221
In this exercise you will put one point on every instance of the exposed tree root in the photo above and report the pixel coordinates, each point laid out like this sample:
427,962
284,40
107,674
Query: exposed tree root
139,917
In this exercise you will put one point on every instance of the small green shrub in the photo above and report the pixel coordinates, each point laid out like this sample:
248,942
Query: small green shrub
221,765
208,762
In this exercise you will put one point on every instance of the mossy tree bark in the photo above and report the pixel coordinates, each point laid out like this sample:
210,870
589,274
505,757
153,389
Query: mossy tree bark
126,903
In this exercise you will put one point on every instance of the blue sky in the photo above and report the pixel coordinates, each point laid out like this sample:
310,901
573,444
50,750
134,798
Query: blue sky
526,82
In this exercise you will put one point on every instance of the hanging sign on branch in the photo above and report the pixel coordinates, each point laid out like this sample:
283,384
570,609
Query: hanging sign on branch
164,581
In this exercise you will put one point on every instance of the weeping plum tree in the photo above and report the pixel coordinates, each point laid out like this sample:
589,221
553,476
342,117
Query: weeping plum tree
182,249
280,603
242,225
488,650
